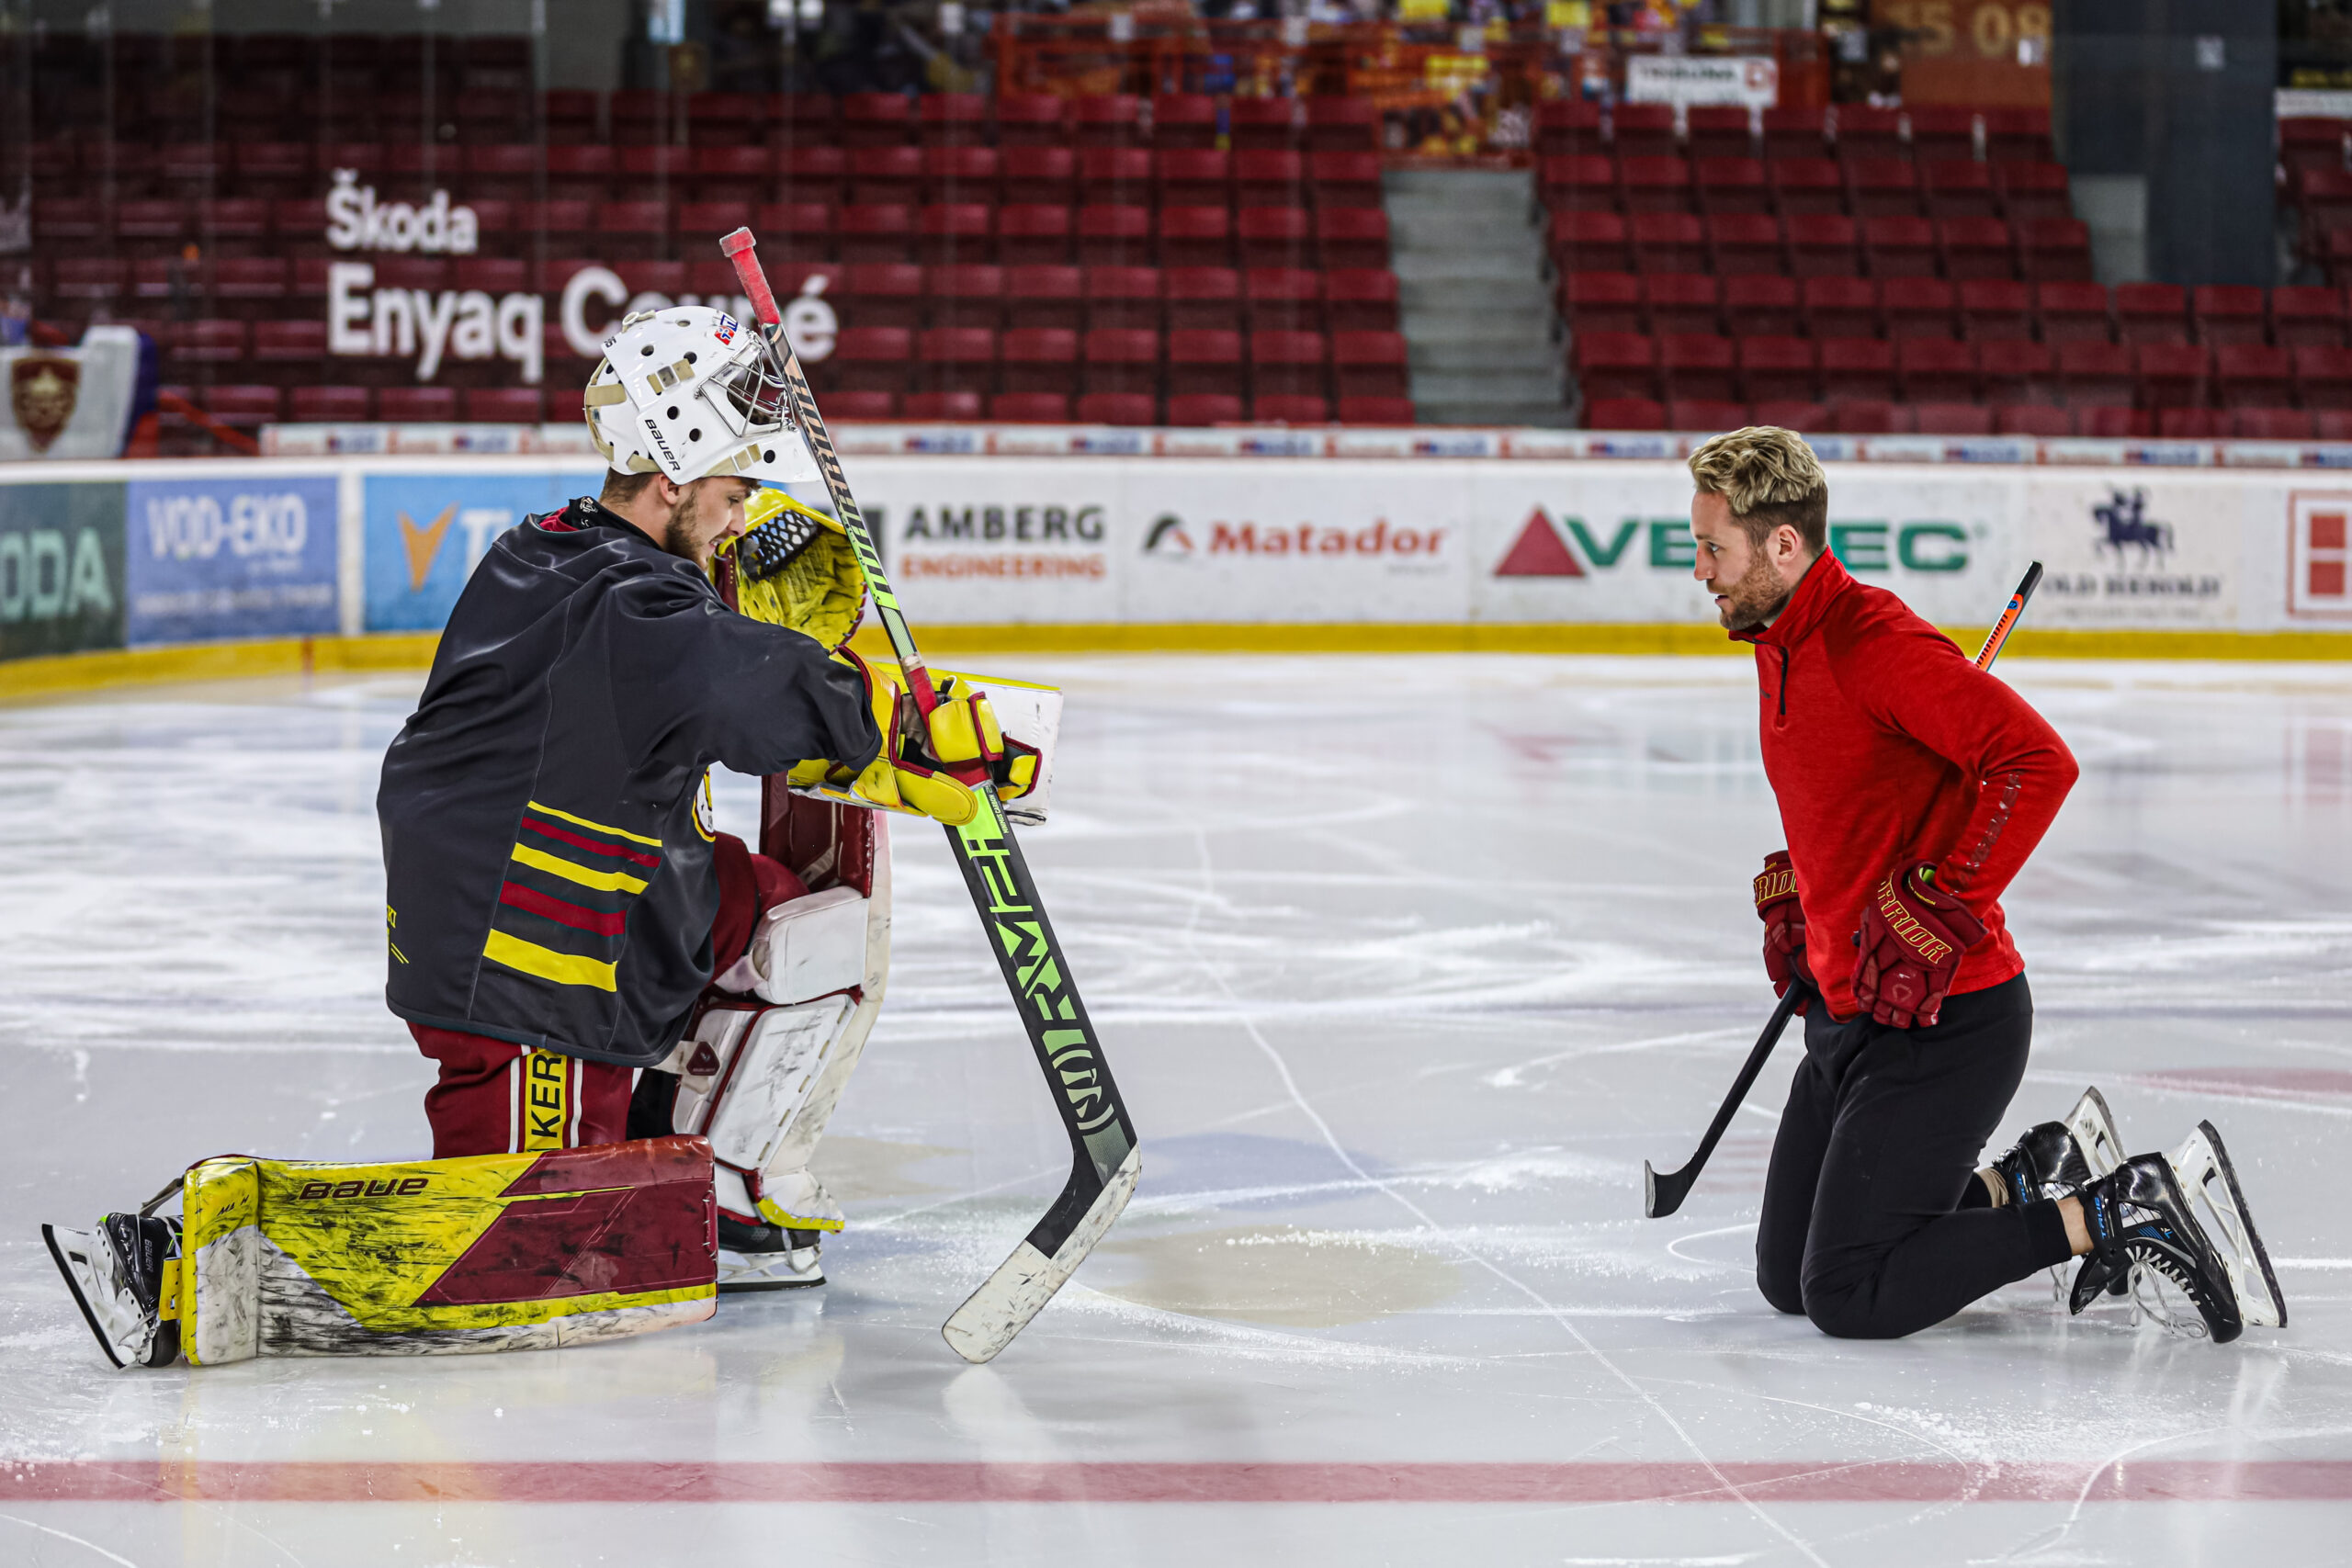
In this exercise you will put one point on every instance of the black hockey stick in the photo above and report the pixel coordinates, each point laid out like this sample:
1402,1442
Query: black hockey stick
1105,1160
1662,1193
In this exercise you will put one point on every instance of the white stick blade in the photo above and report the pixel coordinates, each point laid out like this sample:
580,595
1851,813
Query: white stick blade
1024,1282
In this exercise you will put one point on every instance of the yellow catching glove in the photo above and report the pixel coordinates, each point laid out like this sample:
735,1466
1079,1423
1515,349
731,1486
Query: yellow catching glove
794,567
913,773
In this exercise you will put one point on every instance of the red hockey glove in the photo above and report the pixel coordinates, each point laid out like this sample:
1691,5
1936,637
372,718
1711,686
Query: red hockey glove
1912,937
1783,918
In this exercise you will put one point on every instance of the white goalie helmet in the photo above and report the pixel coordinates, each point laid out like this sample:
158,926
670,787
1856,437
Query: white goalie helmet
692,393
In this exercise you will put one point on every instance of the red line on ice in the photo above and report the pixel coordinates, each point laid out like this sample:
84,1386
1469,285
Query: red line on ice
567,1481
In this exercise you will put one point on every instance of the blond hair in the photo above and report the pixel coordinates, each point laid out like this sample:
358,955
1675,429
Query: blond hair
1771,479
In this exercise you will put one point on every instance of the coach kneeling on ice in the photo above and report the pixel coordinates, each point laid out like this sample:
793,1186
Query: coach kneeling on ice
1912,786
559,903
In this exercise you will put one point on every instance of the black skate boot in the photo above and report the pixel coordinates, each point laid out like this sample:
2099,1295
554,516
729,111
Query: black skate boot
2045,1164
125,1278
766,1258
2138,1214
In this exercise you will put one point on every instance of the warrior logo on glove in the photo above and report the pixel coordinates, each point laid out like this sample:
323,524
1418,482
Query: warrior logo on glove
1910,944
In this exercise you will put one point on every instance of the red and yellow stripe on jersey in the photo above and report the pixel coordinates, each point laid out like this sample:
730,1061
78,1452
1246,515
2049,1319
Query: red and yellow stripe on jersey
562,911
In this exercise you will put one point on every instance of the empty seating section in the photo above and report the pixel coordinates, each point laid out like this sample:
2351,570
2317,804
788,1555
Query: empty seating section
1874,270
1017,258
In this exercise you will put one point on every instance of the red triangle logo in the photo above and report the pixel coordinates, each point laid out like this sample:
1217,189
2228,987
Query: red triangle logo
1539,552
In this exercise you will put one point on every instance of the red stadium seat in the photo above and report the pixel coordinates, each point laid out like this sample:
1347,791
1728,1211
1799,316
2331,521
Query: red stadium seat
1205,408
964,295
2095,374
1037,296
2113,422
2307,317
1032,235
248,407
953,173
1369,365
1204,362
2173,376
1114,236
1037,176
1882,188
871,359
1262,122
1840,307
1799,416
947,234
1899,247
849,406
885,176
2270,424
1682,302
1029,119
2010,370
1275,236
875,120
2185,423
1655,184
1344,179
330,405
1808,187
951,120
1583,182
1762,307
1937,370
1614,365
1720,130
1351,238
1264,178
1196,236
1994,308
207,342
1944,133
1668,242
1202,299
954,405
2054,250
1341,123
1287,363
797,231
1591,242
2027,191
1118,408
1284,299
1625,414
1602,302
2151,313
1377,410
813,173
700,223
1823,247
1290,408
1123,297
883,294
501,405
2252,376
873,233
1778,370
2227,315
1919,306
1183,119
2073,312
1106,119
1856,369
1745,243
1697,367
1700,416
1360,299
2045,420
1122,359
1977,247
1180,178
1567,126
1030,408
1865,133
1730,186
417,405
1959,188
1870,416
1952,419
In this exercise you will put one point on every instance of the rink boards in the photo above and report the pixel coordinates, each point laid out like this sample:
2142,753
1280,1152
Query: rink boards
1152,551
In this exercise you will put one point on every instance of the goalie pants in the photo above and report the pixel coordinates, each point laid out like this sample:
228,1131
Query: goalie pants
496,1096
1874,1225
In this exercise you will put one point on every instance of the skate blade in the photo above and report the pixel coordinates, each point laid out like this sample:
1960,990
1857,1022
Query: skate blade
738,1275
81,1258
2202,1166
2092,1126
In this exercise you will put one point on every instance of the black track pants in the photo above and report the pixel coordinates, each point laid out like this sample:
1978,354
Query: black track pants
1863,1229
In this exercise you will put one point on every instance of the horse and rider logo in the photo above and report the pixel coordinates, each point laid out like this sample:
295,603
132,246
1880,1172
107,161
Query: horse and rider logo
2123,523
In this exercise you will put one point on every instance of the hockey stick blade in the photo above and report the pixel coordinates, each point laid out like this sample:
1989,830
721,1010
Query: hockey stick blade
1025,1282
1662,1193
1105,1162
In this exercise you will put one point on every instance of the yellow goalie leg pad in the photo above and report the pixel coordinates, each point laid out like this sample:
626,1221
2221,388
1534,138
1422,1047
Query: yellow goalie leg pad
497,1252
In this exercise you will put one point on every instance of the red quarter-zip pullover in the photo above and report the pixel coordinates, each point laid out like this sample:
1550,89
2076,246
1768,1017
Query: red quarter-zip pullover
1886,747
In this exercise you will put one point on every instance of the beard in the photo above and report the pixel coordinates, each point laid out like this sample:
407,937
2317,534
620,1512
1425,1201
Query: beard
1756,598
678,533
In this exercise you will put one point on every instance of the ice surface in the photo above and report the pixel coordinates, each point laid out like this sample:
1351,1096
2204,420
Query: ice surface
1404,965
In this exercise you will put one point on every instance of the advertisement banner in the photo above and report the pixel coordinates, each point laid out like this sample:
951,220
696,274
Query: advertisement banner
424,535
61,568
2137,551
1747,81
240,558
1611,543
2319,556
997,541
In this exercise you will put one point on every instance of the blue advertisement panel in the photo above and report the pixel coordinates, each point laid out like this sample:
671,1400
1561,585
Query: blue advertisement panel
425,533
237,557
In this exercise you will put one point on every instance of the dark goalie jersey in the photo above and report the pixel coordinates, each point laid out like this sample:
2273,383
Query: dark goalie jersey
545,811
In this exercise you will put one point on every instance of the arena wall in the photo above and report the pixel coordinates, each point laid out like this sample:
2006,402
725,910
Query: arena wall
185,569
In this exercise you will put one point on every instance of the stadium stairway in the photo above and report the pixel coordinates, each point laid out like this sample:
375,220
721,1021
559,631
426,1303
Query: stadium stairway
1476,314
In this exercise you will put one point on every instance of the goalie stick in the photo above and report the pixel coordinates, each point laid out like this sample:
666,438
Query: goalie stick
1663,1191
1104,1159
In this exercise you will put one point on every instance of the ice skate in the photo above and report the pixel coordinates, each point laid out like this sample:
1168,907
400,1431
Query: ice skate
766,1258
125,1278
2140,1213
2058,1159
